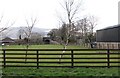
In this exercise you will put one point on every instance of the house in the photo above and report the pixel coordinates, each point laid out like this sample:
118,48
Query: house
7,41
108,38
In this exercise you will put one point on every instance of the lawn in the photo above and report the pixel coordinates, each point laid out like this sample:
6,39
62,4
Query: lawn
59,71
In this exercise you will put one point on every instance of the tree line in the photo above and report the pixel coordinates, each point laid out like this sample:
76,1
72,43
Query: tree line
79,31
72,30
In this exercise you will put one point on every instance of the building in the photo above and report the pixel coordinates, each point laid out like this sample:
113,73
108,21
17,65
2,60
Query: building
7,41
108,38
46,40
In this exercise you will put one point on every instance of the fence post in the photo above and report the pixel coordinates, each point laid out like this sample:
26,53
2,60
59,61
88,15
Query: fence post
4,58
72,59
37,60
108,58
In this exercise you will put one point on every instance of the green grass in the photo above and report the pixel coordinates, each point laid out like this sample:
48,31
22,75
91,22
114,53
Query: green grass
43,46
58,71
61,71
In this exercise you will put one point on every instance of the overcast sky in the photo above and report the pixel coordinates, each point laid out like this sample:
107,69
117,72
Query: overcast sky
45,10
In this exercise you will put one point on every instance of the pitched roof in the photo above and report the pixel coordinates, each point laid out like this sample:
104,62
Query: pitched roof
110,27
7,39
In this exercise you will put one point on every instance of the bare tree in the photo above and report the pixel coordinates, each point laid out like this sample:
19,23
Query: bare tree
71,8
82,26
86,27
92,22
36,38
28,31
6,25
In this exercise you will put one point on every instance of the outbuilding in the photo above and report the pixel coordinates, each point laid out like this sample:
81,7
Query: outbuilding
7,41
46,40
108,38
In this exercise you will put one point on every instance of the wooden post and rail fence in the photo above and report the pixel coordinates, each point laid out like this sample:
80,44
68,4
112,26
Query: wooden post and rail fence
75,57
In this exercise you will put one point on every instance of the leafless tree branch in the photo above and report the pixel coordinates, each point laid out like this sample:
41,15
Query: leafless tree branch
6,26
28,31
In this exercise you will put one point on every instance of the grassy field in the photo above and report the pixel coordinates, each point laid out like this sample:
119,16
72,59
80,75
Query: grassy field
44,46
59,71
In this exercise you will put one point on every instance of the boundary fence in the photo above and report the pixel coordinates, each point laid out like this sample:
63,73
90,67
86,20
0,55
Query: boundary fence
8,61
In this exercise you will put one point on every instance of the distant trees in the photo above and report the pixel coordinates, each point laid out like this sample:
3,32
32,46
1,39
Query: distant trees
66,35
54,34
92,22
71,8
36,38
27,36
81,29
86,26
72,29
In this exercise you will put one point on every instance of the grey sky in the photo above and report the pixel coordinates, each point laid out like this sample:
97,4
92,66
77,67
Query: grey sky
45,10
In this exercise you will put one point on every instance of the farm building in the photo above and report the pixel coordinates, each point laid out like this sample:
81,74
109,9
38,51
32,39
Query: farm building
108,38
7,41
46,40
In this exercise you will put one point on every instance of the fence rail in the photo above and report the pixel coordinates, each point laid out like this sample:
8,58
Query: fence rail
72,58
